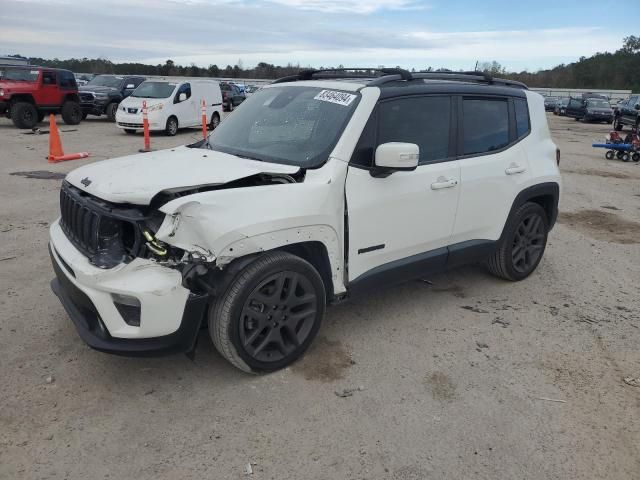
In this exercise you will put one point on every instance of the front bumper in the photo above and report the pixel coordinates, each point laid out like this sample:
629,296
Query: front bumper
134,120
170,315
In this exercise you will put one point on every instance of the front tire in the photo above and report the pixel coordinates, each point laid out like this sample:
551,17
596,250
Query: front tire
110,111
171,128
215,121
24,115
523,244
269,314
617,125
71,113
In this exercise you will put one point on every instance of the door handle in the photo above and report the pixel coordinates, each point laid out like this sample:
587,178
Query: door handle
514,168
443,183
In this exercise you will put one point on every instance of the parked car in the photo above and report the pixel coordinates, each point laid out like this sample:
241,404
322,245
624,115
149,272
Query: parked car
550,103
103,94
250,89
171,105
314,191
231,96
628,113
590,109
27,94
83,78
561,106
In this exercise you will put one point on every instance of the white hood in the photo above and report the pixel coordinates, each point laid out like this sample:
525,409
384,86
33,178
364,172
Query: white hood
138,178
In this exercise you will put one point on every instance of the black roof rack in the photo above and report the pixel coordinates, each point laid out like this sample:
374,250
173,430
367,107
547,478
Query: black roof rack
336,73
388,75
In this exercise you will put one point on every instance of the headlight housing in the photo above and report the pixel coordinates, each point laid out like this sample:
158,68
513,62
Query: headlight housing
1,92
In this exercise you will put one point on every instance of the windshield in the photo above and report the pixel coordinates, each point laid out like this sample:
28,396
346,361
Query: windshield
105,81
564,101
20,75
154,90
291,125
598,104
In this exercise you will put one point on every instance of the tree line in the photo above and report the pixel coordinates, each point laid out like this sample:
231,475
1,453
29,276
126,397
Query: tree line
618,70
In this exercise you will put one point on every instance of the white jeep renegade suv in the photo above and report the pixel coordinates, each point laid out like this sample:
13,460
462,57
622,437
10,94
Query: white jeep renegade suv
318,187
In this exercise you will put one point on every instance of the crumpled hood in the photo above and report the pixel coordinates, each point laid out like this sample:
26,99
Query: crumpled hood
138,178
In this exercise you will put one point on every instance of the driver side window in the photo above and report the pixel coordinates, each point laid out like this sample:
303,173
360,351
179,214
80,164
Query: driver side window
186,89
48,78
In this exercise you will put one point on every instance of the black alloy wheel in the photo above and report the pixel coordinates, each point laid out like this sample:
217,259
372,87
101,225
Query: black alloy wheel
278,316
528,243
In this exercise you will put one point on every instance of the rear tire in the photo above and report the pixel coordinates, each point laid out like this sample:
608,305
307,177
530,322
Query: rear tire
610,155
110,111
85,115
636,157
625,157
71,113
617,126
230,106
523,244
24,115
171,128
269,314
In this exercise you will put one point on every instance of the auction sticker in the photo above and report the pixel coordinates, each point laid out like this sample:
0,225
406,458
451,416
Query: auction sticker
341,98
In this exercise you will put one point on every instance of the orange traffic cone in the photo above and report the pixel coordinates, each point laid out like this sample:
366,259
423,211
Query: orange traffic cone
56,154
55,144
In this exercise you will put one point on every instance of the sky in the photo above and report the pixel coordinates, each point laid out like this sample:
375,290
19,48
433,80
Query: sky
520,35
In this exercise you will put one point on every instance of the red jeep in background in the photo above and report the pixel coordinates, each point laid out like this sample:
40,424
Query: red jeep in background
28,93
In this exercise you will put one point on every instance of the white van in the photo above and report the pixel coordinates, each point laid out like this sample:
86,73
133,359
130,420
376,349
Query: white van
171,105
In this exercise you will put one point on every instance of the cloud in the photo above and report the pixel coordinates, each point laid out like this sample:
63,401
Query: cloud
278,31
351,6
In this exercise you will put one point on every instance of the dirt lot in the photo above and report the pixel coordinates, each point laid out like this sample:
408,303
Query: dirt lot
467,377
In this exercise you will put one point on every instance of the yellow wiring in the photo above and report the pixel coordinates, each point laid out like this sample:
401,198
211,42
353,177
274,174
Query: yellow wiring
153,245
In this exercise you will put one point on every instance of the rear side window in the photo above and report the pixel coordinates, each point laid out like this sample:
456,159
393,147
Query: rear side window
424,121
522,117
485,125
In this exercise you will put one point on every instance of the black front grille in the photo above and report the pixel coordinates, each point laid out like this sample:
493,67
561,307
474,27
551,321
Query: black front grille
86,97
79,223
107,234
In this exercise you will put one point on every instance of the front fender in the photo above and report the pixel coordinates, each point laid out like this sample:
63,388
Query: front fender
223,225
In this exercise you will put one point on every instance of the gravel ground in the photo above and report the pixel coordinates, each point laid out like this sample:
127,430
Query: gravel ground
464,377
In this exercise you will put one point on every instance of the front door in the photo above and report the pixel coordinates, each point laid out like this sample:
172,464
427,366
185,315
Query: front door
185,110
401,225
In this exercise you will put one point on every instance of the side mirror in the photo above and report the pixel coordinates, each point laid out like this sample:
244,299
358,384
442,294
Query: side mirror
395,156
130,86
182,97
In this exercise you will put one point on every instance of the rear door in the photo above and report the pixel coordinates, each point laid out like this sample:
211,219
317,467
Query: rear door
400,225
494,166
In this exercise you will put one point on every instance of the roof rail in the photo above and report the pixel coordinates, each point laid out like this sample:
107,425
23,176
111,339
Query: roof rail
337,73
471,76
388,75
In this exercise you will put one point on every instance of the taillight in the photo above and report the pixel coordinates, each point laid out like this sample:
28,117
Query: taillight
558,156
